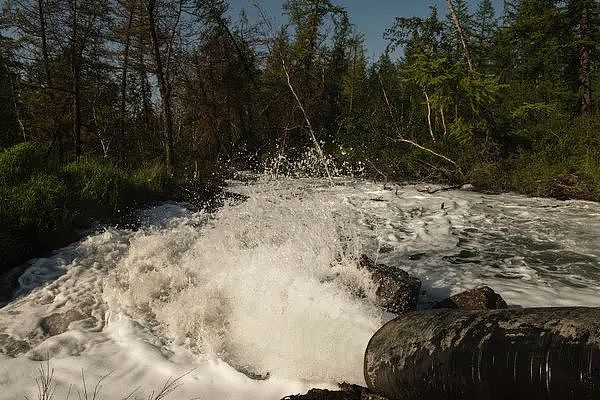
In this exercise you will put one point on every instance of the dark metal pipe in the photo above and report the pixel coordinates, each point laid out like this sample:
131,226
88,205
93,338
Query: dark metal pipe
530,354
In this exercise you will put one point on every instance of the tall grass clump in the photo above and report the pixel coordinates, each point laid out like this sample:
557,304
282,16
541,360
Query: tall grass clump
43,203
19,162
46,387
98,186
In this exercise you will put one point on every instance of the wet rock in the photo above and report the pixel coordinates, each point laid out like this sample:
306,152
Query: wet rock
9,283
12,347
483,298
397,291
346,392
58,323
251,372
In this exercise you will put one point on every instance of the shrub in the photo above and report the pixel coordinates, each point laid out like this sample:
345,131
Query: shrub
97,186
487,177
42,204
33,215
153,178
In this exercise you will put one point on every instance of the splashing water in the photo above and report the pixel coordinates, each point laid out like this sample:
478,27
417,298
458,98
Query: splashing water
268,286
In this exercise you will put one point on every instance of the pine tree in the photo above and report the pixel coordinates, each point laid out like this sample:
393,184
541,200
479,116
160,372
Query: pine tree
583,17
485,27
510,10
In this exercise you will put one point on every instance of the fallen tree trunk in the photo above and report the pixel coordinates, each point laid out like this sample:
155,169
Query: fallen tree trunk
533,354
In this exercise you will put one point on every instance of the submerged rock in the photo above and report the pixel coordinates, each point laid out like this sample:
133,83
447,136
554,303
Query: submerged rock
346,392
397,291
12,347
251,372
482,298
58,323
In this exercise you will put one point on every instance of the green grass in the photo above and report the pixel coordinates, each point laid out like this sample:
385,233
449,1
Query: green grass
19,163
43,203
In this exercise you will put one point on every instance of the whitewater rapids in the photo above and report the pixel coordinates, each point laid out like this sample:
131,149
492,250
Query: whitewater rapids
268,286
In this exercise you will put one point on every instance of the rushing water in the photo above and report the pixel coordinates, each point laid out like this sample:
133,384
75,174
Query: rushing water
268,286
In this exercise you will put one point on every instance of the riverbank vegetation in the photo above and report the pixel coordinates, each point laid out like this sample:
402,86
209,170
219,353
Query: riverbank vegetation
44,203
106,103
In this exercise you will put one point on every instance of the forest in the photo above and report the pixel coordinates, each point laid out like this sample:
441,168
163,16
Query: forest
108,104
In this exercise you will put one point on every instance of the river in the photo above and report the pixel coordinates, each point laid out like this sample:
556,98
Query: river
268,286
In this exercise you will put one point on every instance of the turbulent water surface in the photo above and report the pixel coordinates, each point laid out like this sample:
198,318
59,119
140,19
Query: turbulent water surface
268,286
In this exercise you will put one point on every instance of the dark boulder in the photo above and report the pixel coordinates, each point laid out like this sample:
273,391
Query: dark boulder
346,392
9,282
483,298
397,291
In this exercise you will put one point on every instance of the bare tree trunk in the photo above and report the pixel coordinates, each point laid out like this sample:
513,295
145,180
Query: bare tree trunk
14,94
76,76
461,35
443,116
76,106
412,142
585,84
164,88
354,51
42,21
308,124
144,85
124,74
429,116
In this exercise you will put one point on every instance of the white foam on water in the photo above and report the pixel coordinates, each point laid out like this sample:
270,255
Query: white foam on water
269,286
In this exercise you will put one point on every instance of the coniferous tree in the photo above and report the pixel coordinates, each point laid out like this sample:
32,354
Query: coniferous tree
485,27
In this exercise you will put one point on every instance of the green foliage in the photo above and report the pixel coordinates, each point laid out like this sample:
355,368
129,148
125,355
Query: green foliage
561,159
33,214
535,111
153,178
98,184
42,203
487,177
18,163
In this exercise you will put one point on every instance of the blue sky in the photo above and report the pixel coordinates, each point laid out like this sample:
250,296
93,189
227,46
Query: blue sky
371,17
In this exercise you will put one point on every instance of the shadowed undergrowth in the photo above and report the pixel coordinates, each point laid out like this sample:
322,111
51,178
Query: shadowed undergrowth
43,203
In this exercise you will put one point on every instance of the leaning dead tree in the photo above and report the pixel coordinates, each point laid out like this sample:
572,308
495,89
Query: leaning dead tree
402,139
461,35
286,71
